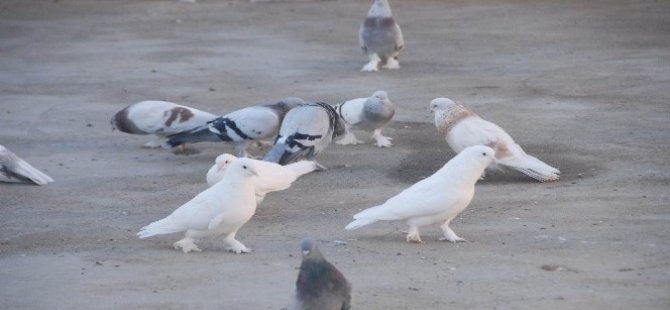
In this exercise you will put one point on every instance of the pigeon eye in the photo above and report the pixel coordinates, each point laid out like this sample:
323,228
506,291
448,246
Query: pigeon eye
245,167
484,153
226,162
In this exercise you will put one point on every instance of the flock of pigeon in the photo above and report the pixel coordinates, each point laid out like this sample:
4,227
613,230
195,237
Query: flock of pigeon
300,131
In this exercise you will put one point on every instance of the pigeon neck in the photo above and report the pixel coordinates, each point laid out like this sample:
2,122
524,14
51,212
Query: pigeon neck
380,8
454,115
463,169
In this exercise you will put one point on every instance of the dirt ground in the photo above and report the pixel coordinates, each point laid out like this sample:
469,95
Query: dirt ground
583,85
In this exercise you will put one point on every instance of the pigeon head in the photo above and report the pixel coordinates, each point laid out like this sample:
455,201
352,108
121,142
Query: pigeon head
380,8
381,95
309,250
441,104
481,154
224,160
244,166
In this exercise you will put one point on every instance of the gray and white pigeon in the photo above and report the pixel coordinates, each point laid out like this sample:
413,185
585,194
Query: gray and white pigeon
380,38
370,114
463,128
271,177
240,127
305,132
160,118
219,210
436,199
320,286
13,169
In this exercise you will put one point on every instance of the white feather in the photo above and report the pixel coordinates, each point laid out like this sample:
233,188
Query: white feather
474,130
219,210
438,198
16,165
154,117
271,177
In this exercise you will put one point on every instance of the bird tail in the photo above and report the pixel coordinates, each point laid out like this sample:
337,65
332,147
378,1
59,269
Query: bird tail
26,170
358,223
160,227
302,167
529,165
198,134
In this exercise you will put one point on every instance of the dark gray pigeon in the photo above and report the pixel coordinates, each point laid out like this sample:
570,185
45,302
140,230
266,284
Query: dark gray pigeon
370,114
305,132
320,286
13,169
380,38
241,127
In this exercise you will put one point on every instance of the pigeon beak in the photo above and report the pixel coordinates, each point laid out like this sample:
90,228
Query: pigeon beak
304,253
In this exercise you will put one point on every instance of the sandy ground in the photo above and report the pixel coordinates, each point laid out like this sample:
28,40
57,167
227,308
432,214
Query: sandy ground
582,85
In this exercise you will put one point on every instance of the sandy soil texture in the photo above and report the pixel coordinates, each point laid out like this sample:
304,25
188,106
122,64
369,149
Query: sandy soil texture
583,85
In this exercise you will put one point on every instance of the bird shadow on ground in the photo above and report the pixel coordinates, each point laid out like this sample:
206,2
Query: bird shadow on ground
424,160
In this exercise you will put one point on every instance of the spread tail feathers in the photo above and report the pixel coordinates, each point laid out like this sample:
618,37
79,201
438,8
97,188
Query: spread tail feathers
198,134
360,223
160,227
530,166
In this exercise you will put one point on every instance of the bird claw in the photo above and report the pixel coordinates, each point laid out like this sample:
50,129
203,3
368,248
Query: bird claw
370,67
238,249
384,141
186,245
392,64
153,144
453,239
349,139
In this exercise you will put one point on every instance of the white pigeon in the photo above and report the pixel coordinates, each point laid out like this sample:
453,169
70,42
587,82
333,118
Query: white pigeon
240,127
305,132
219,210
160,118
436,199
463,128
13,169
380,38
371,113
271,177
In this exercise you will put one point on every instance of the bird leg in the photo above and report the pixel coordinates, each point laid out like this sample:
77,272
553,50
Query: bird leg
241,149
413,235
234,245
319,166
186,245
382,141
392,63
349,138
449,234
153,144
373,65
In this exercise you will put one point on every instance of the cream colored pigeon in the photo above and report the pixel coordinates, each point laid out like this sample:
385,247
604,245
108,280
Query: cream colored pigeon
463,128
